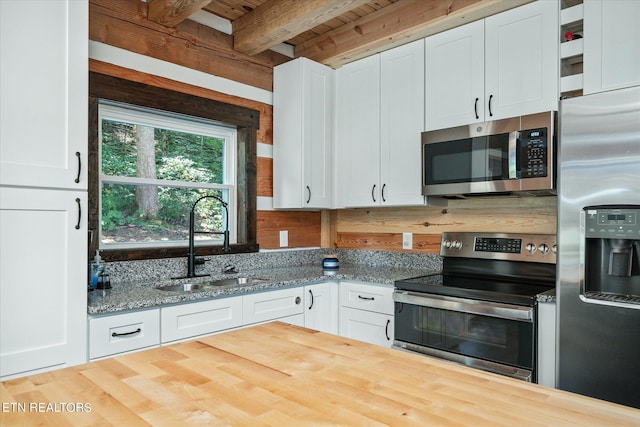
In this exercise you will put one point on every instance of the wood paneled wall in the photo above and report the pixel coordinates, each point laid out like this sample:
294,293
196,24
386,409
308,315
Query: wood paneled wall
122,23
382,228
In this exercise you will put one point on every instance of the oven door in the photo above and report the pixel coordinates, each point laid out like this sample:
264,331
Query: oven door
491,336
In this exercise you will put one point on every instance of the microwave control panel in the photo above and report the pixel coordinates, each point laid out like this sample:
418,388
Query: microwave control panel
532,153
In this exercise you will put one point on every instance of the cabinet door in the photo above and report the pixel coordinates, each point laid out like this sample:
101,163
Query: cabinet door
521,61
367,326
359,137
454,77
271,305
122,333
321,307
303,135
547,344
611,45
43,279
401,122
43,81
199,318
317,135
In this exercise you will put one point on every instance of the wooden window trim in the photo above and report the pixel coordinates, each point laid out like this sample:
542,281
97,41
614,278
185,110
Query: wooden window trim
247,121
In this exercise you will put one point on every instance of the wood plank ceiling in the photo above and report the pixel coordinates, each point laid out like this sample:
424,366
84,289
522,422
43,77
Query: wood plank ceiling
333,32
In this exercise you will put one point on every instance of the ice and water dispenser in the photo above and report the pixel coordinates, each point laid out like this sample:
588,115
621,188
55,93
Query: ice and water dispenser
612,251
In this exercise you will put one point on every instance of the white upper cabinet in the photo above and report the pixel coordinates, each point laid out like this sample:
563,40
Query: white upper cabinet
521,60
611,45
381,116
359,134
302,135
503,66
454,75
43,81
401,123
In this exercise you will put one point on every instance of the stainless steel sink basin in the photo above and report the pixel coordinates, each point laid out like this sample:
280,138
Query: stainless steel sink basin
193,287
185,287
236,281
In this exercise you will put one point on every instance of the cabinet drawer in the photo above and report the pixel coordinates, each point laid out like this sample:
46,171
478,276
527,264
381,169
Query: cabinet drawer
199,318
366,297
123,332
272,305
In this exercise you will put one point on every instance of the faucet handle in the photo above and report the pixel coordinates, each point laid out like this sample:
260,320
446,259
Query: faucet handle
229,269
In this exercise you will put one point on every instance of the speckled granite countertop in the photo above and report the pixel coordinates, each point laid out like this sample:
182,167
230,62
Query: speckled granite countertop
549,296
138,295
134,282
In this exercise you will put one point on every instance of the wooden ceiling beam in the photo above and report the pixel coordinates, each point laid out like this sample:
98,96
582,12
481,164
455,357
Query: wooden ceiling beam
276,21
397,24
172,12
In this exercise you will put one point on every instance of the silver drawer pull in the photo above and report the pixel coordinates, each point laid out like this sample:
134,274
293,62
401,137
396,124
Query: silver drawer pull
137,331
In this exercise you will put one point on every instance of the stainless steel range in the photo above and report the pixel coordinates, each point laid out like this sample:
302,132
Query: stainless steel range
481,311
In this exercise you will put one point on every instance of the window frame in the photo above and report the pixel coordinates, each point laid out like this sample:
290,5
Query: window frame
107,88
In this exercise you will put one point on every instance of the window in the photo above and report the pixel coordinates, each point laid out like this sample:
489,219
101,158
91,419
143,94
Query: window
200,146
154,166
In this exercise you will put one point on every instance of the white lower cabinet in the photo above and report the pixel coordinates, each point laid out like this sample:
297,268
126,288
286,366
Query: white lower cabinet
354,310
199,318
267,306
121,333
43,299
366,313
367,326
547,344
321,307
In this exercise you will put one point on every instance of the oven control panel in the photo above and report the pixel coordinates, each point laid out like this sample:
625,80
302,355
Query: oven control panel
503,246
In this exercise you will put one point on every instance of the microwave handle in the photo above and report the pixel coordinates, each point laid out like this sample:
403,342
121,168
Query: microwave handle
463,305
514,161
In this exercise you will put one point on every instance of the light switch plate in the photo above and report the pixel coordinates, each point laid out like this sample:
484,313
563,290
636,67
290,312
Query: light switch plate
284,238
407,240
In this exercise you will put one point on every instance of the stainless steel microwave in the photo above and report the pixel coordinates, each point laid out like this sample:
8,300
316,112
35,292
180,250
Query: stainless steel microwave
512,156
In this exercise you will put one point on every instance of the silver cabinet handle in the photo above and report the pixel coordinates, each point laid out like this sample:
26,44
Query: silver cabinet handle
382,192
490,99
386,330
475,108
373,189
311,293
308,194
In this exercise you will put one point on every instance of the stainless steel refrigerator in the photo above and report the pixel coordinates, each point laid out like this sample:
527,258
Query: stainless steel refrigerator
599,246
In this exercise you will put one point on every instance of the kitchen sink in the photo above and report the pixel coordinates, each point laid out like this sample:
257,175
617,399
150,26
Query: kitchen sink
193,287
237,281
185,287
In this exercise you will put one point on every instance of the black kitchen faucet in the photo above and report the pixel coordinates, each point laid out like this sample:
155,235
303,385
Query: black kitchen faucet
191,262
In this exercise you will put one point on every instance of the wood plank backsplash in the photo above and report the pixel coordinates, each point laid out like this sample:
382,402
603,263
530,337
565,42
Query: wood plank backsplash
382,228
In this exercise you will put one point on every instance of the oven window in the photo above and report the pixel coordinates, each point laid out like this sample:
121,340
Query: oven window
489,338
467,160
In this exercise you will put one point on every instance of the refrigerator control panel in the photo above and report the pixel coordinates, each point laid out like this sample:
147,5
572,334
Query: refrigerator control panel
612,223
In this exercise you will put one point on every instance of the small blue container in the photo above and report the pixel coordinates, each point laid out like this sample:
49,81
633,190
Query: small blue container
330,262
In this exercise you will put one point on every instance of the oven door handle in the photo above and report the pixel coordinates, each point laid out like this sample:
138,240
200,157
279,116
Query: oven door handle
464,305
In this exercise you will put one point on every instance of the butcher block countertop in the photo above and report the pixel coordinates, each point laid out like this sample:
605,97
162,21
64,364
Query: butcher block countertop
281,375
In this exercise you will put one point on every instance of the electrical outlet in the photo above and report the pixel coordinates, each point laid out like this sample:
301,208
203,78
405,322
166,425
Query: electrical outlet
407,240
284,238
